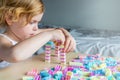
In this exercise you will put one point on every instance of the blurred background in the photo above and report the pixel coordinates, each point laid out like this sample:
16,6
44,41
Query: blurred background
93,14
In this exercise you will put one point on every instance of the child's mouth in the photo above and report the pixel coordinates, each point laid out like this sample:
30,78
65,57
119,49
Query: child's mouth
32,34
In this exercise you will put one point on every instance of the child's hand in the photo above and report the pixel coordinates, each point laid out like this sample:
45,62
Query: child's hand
57,34
70,43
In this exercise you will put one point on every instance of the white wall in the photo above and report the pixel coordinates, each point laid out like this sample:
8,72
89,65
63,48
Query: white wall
97,14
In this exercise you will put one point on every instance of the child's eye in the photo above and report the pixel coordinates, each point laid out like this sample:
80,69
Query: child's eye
32,22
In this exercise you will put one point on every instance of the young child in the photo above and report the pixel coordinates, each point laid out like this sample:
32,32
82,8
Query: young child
22,38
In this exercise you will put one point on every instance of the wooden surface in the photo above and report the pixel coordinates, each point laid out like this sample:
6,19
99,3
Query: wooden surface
17,70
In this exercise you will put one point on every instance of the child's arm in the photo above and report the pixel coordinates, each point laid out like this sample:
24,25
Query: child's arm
45,30
28,47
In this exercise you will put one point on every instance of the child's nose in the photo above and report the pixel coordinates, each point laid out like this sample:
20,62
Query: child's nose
35,28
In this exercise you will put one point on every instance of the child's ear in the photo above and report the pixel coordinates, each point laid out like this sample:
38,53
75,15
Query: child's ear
8,19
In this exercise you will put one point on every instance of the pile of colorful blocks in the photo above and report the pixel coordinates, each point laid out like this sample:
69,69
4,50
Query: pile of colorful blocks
91,67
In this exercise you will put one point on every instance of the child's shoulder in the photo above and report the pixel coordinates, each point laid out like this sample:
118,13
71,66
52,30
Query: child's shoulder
4,41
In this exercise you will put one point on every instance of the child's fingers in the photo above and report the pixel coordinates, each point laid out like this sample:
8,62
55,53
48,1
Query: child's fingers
62,41
73,47
70,46
67,44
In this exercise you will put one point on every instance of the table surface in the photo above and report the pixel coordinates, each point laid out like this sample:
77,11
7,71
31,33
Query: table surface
17,70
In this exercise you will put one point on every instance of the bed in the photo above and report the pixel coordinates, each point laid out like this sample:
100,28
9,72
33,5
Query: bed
104,43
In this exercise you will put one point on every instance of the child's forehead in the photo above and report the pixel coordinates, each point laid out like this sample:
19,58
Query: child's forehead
37,17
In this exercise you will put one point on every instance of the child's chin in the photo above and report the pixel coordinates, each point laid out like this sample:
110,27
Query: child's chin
28,37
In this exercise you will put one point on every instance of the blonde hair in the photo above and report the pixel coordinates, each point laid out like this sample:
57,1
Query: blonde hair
19,8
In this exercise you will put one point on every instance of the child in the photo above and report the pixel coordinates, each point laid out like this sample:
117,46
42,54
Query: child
22,38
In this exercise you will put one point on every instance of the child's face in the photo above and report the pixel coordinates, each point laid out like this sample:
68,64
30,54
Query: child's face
28,30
